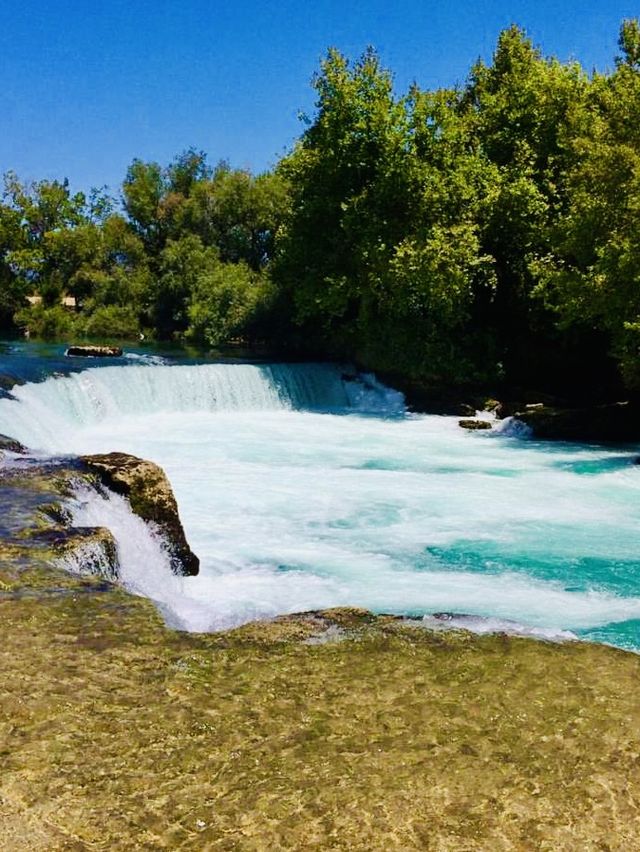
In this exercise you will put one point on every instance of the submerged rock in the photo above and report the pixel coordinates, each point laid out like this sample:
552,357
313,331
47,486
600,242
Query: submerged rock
149,492
474,424
94,351
8,381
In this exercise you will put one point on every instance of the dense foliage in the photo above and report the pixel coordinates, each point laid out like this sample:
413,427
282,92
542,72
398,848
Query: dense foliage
476,234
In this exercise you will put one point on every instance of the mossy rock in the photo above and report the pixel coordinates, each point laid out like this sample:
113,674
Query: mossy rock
474,425
149,492
88,551
38,535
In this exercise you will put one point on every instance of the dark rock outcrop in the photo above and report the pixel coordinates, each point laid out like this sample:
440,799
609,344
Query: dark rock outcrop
467,410
474,425
616,422
94,351
10,445
147,488
7,381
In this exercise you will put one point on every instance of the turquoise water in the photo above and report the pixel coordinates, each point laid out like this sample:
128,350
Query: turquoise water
299,490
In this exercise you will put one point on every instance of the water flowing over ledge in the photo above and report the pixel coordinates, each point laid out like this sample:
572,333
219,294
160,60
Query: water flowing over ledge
40,413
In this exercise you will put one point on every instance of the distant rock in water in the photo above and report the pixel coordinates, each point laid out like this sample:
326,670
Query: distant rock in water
473,425
9,445
149,492
94,351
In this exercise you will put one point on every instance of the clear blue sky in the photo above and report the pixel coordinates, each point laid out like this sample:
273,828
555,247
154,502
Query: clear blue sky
87,86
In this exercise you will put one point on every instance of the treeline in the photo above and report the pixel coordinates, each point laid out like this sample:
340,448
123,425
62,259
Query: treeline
480,234
184,253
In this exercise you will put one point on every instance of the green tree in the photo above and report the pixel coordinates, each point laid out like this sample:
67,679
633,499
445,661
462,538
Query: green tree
43,256
629,43
351,193
381,252
143,190
238,213
591,277
181,263
524,111
224,303
13,288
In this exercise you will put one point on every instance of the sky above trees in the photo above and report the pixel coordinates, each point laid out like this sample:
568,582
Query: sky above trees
86,87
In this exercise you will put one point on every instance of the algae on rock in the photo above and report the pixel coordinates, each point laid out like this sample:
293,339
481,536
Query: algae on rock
37,532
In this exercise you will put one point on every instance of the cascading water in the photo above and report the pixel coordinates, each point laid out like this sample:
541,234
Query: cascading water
144,566
50,410
301,488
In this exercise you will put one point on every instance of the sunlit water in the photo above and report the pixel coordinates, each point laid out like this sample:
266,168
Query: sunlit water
299,490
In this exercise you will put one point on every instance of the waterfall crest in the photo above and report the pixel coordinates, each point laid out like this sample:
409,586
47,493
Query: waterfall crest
40,413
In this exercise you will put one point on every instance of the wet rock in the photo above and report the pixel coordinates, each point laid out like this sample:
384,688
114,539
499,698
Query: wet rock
474,425
88,551
94,351
7,381
10,445
466,410
56,512
495,406
616,422
38,543
147,488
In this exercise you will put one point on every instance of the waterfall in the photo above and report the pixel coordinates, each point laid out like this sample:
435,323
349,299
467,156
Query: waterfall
43,414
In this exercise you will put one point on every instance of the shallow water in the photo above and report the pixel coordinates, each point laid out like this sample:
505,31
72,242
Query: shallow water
299,490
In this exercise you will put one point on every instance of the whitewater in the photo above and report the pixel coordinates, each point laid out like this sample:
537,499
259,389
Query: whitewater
302,487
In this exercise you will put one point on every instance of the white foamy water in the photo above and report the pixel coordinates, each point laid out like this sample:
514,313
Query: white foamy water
299,491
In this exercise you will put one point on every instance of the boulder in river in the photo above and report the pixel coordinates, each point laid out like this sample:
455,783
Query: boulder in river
149,492
473,425
94,351
619,421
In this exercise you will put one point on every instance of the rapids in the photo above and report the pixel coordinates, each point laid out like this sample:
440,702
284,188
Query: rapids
302,488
